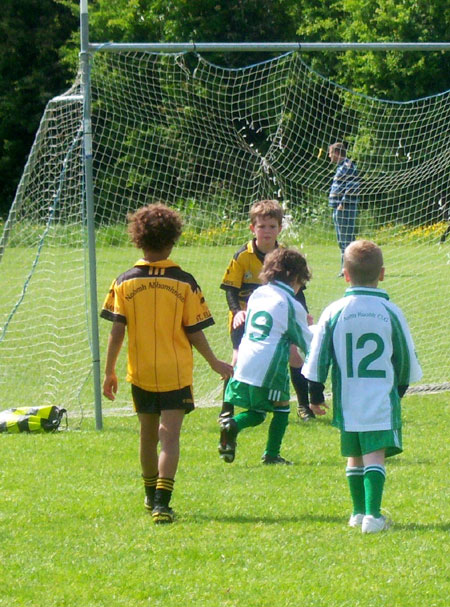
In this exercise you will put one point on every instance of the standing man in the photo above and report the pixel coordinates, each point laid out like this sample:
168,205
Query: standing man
344,196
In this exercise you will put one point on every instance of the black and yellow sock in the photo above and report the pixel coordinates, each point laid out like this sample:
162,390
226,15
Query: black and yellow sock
163,493
355,478
276,433
150,488
374,477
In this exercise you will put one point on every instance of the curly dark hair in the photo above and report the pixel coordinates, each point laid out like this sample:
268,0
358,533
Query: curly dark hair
285,265
154,227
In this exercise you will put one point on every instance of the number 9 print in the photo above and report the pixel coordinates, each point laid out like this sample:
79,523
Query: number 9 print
262,322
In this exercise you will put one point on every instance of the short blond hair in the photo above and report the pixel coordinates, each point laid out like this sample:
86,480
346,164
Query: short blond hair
266,208
363,260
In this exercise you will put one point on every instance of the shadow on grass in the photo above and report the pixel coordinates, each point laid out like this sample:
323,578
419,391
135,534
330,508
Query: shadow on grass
296,462
421,527
308,518
267,520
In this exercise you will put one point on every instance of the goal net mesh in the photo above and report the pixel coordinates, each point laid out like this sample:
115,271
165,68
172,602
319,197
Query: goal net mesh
210,141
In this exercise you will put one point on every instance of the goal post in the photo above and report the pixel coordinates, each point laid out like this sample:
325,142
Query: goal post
89,203
147,122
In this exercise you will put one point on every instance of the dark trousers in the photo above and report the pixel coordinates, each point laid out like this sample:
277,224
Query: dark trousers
344,224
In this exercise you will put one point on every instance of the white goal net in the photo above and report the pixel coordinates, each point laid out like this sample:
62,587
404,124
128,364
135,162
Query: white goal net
211,141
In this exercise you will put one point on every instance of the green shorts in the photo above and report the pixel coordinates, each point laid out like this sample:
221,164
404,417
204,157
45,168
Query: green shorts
355,444
253,397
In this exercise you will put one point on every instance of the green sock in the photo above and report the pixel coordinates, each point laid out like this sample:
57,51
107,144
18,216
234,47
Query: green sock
249,418
374,477
277,429
355,478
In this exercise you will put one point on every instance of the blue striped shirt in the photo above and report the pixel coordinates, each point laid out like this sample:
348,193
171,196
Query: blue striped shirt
345,186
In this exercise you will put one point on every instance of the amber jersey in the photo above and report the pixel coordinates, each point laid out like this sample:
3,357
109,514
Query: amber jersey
243,272
160,304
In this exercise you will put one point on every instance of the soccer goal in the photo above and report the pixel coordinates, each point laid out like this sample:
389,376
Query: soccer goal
161,122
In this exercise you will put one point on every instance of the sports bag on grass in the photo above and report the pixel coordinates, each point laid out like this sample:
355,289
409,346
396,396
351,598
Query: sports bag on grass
31,419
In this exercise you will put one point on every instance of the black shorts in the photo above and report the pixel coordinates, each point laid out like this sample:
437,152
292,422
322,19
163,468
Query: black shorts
155,402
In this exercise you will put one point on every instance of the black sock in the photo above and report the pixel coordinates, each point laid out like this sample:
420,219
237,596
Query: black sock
227,408
300,384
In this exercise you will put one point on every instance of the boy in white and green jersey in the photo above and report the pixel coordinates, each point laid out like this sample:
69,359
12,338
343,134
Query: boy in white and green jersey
365,339
260,383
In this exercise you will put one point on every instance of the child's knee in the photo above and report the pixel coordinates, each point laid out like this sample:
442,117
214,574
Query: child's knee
295,360
282,407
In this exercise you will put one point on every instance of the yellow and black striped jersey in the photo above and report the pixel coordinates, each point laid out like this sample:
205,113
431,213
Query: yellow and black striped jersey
243,272
159,303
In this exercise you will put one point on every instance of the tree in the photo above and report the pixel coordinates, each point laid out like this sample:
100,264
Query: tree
31,31
392,75
398,76
39,55
182,21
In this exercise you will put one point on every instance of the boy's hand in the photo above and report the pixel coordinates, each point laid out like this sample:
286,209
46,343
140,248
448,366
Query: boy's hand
110,385
222,368
319,409
239,319
309,319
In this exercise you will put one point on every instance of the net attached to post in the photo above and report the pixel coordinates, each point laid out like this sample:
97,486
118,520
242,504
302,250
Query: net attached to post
210,141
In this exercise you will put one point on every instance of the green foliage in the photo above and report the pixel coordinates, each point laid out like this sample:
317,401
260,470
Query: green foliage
31,33
228,231
181,21
390,75
225,233
402,233
112,236
38,56
75,531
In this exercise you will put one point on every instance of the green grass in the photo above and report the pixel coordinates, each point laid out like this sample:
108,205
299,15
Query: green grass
417,279
75,532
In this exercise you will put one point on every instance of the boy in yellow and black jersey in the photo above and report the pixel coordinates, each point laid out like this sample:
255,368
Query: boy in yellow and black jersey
163,309
167,305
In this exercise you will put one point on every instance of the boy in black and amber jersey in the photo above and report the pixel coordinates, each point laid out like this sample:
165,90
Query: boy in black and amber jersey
240,280
164,312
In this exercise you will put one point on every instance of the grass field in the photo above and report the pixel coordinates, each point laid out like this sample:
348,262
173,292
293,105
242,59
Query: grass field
74,531
423,297
45,357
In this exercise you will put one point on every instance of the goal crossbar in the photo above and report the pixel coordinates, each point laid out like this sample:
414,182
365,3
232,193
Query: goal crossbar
270,47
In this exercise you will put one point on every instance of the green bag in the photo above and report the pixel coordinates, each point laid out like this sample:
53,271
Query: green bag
31,419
